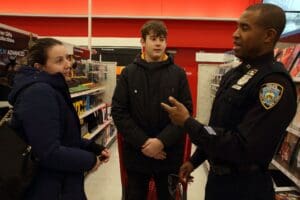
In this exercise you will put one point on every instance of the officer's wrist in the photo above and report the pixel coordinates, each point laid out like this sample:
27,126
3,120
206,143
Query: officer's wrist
187,122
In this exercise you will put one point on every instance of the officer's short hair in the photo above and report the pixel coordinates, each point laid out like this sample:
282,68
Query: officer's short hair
270,16
156,26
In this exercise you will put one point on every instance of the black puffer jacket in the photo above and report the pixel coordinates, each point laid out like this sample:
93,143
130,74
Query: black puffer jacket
138,115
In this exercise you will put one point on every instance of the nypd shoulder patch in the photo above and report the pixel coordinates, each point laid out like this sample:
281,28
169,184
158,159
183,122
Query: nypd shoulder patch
270,94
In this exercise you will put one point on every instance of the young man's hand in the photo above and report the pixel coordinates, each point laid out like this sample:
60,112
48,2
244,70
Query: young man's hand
152,147
160,156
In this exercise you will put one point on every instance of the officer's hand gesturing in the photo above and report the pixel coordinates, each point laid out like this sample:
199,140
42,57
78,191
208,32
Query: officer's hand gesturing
185,171
177,112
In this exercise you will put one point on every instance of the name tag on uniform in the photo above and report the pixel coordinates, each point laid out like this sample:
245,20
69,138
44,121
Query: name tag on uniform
244,79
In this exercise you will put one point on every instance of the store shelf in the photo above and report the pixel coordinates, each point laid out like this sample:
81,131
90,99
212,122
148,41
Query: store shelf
97,72
296,79
285,189
86,113
215,85
111,139
284,168
4,104
293,131
219,75
214,90
97,89
97,130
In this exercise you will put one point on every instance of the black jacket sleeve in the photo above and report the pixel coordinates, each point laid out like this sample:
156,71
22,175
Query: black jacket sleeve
126,126
92,146
255,139
198,157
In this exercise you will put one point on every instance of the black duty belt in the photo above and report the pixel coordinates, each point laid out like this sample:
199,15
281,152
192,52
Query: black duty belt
226,170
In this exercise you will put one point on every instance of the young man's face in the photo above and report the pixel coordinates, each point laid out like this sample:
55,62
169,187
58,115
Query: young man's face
249,36
154,47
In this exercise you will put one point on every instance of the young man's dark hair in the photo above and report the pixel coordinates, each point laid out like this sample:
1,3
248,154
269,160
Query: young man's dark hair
267,19
157,27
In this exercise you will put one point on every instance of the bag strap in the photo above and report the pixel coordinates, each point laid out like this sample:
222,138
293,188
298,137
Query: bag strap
9,113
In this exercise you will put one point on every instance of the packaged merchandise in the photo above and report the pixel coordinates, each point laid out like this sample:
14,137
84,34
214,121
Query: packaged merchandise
295,71
291,195
288,55
287,147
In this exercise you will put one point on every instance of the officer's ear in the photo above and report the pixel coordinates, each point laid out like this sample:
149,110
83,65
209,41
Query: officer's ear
270,35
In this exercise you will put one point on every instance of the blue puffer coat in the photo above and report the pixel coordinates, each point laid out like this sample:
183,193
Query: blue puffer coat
45,116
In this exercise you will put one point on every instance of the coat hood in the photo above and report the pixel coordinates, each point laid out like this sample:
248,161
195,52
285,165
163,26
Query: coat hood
139,61
27,76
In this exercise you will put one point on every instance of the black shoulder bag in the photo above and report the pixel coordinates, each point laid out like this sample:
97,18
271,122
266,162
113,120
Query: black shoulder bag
17,168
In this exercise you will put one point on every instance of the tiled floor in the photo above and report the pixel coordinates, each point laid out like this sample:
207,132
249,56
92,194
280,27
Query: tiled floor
105,184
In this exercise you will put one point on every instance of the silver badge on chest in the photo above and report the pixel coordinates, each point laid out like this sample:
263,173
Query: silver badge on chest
244,79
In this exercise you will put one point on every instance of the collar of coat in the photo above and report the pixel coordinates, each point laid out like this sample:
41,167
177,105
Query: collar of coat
165,57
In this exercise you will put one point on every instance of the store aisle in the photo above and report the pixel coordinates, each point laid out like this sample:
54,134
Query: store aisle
105,184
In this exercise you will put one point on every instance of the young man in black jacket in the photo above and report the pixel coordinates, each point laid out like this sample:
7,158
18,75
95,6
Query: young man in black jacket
153,146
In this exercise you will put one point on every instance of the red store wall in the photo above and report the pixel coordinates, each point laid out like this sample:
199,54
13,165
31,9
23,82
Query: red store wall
210,30
127,8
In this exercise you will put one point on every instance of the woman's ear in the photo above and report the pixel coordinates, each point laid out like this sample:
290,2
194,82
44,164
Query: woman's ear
142,41
37,66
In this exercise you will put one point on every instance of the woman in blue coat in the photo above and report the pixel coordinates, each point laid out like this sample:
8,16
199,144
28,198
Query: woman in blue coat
45,117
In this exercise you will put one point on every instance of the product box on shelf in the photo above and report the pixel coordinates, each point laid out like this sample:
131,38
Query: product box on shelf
92,121
79,69
95,99
288,55
100,138
295,124
288,147
84,129
86,102
97,72
112,130
104,113
107,136
295,161
79,105
291,195
109,112
295,71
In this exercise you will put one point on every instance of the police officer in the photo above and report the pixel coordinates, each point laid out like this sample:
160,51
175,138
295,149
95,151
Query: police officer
253,107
